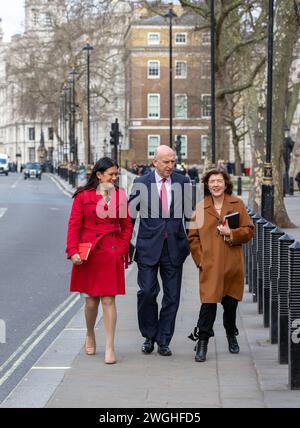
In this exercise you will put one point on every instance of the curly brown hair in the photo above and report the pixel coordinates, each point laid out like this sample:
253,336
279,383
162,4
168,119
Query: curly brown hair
215,171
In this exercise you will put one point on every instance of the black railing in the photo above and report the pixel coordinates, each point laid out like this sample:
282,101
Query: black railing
272,273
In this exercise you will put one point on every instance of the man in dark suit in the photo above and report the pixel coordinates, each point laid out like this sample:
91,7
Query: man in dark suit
163,199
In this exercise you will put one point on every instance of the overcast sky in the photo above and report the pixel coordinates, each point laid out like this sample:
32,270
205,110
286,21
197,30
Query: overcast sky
12,14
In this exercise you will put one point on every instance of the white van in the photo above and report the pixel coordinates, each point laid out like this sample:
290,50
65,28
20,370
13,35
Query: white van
4,168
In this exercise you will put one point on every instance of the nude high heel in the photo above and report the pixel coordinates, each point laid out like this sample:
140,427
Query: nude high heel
90,350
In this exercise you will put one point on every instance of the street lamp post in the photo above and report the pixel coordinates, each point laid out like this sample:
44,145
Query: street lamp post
170,15
213,82
120,144
267,197
73,73
88,49
65,118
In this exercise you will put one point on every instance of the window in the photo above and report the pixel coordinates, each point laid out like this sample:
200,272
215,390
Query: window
47,19
153,106
180,38
50,154
183,149
205,69
153,143
206,105
206,38
31,154
50,133
181,106
35,17
153,69
153,38
31,134
204,146
180,69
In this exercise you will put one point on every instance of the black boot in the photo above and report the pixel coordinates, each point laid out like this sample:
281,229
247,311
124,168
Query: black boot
201,350
233,345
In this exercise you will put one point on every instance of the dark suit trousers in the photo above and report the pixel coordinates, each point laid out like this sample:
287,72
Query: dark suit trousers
208,313
158,327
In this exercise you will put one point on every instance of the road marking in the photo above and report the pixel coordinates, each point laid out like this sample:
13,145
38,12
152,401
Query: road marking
50,368
60,186
38,339
2,211
13,186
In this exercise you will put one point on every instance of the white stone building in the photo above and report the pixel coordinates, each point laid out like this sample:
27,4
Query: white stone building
20,137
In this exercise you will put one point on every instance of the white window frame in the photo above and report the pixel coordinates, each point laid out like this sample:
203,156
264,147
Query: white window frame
203,75
153,42
177,76
180,42
202,106
202,152
206,38
158,144
186,106
150,76
184,146
148,105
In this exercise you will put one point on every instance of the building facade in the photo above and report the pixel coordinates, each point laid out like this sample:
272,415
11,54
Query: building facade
21,136
147,47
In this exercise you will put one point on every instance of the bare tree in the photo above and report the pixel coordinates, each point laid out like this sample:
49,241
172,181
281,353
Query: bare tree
40,62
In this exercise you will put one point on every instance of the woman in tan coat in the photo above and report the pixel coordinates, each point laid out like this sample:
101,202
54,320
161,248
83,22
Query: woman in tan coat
217,252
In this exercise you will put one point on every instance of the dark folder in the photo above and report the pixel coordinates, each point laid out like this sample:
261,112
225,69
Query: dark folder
233,220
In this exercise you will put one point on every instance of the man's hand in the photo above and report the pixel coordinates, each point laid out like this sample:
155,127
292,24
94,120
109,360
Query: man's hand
76,260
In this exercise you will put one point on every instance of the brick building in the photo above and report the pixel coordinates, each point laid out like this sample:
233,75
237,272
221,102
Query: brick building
147,87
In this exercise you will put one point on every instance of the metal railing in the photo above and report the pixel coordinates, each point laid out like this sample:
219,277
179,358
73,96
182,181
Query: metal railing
272,273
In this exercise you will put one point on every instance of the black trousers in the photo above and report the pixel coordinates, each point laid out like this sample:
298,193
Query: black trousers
207,317
158,326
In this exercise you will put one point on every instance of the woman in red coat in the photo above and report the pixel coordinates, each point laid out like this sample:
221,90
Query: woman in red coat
100,216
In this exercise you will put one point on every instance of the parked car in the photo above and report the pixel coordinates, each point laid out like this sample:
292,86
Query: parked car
4,168
32,170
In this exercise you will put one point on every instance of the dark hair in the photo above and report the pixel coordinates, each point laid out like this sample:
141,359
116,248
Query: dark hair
100,166
215,171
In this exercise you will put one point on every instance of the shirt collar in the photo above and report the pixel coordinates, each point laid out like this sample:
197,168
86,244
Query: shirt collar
158,178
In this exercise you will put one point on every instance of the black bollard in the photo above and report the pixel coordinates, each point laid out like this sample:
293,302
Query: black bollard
266,261
239,186
291,186
275,235
249,257
259,247
284,242
255,219
294,316
193,194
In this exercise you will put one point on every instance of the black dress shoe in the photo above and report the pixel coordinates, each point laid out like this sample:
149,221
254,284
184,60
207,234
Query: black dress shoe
201,351
164,350
233,345
148,346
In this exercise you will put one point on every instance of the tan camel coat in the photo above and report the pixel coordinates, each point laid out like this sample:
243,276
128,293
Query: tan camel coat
221,264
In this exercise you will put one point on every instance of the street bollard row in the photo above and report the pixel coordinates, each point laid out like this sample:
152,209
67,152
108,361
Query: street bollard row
68,174
272,273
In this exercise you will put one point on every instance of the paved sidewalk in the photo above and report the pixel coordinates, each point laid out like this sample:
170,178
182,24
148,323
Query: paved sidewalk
65,377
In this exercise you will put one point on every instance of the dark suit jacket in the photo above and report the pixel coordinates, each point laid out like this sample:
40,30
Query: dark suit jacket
153,226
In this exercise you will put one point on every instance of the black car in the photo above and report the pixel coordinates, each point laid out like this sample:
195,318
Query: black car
32,170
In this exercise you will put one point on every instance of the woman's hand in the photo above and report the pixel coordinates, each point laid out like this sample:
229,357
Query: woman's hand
76,260
224,229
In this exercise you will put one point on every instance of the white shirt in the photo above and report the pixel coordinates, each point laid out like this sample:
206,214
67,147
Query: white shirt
168,184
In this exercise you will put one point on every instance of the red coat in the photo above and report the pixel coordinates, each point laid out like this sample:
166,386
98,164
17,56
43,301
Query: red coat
108,228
